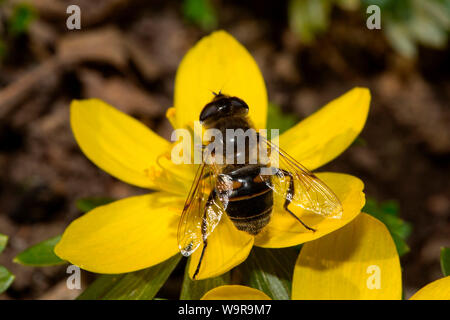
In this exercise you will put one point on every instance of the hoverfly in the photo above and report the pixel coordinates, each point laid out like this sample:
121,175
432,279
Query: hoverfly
245,192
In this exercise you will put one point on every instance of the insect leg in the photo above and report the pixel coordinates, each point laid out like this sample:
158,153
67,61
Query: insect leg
290,194
211,197
205,243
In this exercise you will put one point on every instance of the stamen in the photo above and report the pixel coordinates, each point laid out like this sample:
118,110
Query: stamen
170,115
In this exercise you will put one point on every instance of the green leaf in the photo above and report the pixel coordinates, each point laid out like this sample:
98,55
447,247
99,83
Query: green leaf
445,261
276,119
21,18
138,285
6,278
87,204
395,225
402,246
409,22
309,17
437,10
400,39
390,207
400,10
195,289
3,242
41,254
200,12
387,212
270,270
426,31
101,286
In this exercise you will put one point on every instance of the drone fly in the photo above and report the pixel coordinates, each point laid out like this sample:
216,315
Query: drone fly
245,191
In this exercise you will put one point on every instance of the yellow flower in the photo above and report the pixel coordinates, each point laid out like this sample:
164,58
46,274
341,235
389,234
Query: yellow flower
345,277
359,261
139,232
235,292
437,290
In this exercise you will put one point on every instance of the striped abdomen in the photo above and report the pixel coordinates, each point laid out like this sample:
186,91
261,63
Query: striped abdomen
251,200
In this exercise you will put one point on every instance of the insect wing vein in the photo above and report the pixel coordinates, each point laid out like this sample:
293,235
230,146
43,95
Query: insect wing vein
310,193
201,213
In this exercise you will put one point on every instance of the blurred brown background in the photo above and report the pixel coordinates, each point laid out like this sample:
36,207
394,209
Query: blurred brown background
127,52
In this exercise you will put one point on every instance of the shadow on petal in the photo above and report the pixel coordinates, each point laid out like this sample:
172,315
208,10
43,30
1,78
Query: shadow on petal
359,261
235,292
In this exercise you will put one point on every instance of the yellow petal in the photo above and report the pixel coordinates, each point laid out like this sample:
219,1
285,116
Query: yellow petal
227,247
216,63
325,134
359,261
124,236
170,115
116,142
437,290
284,231
235,292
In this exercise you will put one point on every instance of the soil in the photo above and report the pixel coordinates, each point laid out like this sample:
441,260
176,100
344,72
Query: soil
127,54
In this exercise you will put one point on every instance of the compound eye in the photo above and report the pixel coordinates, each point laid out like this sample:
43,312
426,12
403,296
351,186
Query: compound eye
238,106
210,110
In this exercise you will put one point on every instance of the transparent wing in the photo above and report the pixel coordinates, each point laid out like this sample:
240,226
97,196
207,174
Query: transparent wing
298,185
202,211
